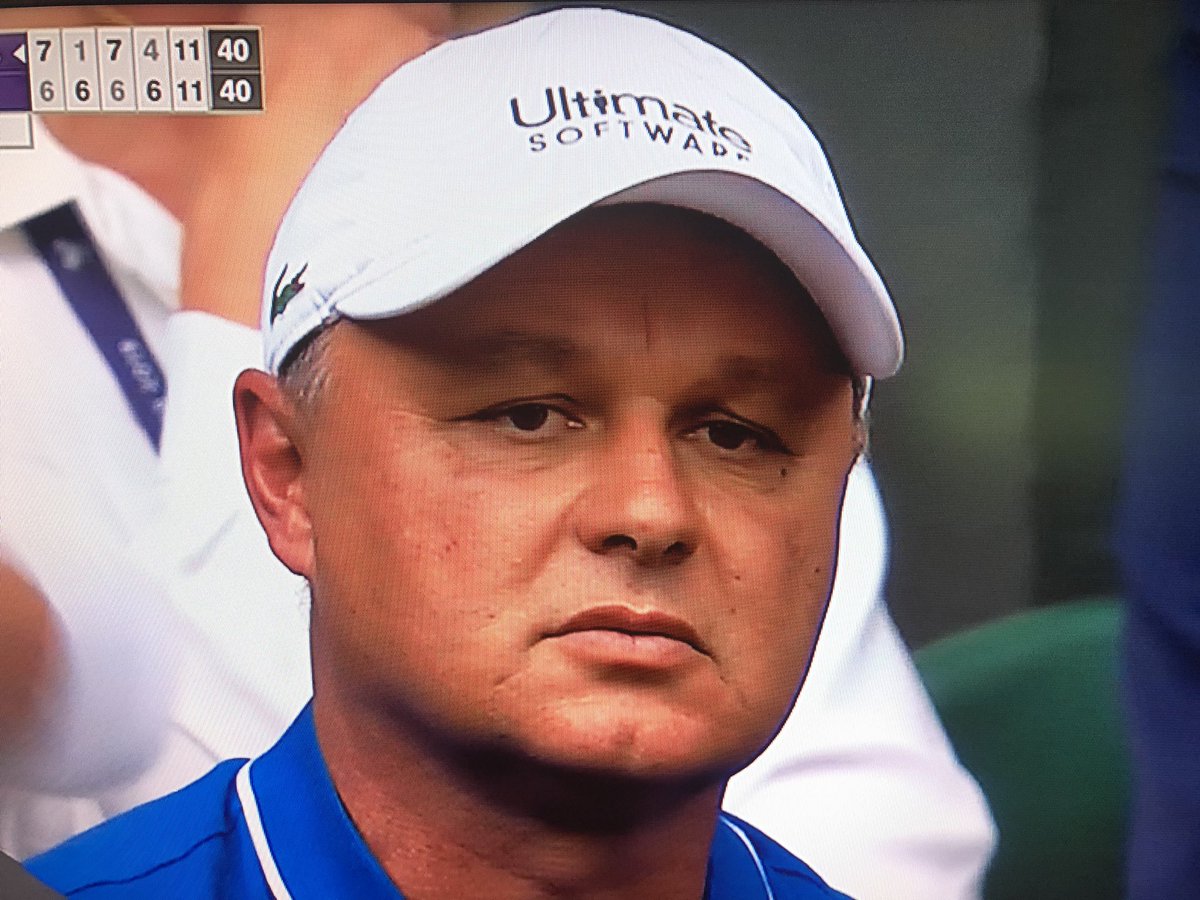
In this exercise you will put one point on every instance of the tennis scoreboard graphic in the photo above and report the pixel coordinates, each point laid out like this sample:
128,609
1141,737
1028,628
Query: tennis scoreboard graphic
197,69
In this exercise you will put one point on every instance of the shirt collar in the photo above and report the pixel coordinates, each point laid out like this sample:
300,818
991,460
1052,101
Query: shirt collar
134,232
307,837
38,179
313,843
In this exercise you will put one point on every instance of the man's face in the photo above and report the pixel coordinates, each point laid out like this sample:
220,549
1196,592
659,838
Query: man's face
584,509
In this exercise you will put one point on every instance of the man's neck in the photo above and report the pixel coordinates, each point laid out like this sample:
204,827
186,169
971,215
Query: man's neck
157,153
442,829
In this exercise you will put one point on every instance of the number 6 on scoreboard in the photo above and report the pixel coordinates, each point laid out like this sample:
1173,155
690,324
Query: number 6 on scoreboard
153,70
116,69
46,70
81,70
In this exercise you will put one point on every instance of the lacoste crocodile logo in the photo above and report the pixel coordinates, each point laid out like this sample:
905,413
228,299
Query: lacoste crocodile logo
281,298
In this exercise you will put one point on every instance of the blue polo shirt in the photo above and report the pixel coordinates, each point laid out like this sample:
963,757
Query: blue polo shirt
274,829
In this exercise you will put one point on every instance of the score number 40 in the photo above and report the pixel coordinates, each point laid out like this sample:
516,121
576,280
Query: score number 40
235,50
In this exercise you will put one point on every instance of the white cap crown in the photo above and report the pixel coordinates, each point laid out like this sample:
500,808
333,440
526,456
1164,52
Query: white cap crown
475,149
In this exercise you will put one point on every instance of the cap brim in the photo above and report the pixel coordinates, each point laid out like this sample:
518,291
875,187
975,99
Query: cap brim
839,276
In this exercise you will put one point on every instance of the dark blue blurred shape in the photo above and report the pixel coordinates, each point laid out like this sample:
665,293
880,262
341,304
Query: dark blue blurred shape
1158,533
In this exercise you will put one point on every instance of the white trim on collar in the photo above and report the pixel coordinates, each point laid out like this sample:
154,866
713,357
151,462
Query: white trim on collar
744,838
258,835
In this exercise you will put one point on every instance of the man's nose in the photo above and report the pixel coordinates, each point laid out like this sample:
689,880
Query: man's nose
639,504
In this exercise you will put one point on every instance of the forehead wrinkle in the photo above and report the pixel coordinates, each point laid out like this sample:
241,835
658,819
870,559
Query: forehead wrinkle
647,336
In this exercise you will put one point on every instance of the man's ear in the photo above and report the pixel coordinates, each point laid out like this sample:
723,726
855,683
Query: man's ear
268,426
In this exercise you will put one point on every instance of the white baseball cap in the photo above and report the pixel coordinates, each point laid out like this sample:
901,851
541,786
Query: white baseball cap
475,149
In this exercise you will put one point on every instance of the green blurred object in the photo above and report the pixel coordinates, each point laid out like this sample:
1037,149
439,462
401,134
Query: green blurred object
1031,704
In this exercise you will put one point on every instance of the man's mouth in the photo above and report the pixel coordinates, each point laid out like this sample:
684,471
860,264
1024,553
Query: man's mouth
649,636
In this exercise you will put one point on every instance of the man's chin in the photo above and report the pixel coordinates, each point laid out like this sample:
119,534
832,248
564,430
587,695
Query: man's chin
598,786
639,752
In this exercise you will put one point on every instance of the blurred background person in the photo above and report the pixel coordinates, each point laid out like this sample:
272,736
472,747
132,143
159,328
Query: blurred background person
92,225
1159,534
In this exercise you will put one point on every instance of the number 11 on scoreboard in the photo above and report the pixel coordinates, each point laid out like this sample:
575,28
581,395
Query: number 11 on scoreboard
189,69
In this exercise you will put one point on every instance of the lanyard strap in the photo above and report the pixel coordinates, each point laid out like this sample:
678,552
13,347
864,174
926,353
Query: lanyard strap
62,241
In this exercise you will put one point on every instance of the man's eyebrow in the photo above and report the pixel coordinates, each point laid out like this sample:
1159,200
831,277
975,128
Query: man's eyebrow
754,371
499,350
749,376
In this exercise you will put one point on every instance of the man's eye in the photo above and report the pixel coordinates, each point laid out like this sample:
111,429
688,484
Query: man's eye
733,436
527,417
531,418
729,435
